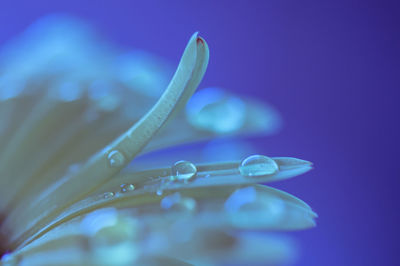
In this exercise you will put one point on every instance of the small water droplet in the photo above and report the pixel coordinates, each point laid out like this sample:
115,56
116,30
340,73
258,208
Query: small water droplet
159,192
116,158
257,165
183,171
127,188
108,195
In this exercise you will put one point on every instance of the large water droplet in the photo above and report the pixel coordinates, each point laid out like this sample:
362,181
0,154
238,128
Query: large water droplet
257,165
127,188
214,110
183,171
116,158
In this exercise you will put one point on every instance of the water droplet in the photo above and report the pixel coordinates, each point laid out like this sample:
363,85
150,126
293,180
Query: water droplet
127,188
183,171
108,195
214,110
257,165
116,158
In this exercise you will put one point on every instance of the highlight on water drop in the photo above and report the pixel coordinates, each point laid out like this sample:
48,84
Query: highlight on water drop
258,165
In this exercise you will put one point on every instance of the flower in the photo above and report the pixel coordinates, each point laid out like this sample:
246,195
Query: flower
68,198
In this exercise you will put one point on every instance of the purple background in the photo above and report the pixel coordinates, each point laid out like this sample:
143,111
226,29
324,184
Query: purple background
330,68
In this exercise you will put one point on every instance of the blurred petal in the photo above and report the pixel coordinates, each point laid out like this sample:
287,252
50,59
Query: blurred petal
213,112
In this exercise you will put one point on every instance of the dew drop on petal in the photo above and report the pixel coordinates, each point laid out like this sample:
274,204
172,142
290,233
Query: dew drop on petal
183,171
257,165
127,188
108,195
116,158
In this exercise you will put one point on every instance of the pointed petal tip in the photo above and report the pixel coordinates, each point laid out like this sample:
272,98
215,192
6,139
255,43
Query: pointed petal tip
292,163
313,223
194,36
200,41
306,223
314,214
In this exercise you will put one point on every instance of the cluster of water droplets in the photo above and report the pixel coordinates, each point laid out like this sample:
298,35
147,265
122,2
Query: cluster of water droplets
124,189
127,188
185,171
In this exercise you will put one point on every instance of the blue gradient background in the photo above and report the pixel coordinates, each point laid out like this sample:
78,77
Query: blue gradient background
331,68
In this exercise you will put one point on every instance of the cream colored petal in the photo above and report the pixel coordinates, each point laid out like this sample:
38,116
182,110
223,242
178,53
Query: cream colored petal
99,168
182,240
208,175
253,207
